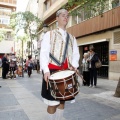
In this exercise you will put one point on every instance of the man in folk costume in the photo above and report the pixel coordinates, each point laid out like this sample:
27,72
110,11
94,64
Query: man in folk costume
58,51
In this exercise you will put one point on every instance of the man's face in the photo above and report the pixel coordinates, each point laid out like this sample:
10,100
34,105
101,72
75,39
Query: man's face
63,18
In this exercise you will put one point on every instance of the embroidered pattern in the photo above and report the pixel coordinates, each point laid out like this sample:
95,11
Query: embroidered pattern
58,46
61,51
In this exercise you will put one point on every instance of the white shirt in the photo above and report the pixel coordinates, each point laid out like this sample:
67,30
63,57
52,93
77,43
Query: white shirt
45,50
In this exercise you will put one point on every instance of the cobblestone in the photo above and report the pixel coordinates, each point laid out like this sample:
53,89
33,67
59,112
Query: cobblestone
21,99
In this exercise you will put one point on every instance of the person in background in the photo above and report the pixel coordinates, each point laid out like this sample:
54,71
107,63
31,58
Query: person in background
29,65
5,65
51,43
12,66
0,67
38,66
85,70
93,70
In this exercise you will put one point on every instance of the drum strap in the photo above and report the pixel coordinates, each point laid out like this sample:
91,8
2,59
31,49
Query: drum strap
64,55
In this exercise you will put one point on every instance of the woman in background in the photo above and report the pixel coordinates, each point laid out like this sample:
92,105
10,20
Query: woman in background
85,70
92,68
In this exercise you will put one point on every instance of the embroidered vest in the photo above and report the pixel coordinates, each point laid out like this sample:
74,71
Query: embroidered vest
58,47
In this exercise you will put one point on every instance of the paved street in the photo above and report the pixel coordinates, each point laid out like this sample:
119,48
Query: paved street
20,99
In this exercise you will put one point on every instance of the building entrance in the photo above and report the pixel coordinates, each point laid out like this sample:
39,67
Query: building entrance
102,49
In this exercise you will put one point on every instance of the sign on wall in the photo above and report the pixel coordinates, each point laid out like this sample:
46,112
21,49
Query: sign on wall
113,55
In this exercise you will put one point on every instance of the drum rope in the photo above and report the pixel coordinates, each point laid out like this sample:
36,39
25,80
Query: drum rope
77,72
67,89
73,82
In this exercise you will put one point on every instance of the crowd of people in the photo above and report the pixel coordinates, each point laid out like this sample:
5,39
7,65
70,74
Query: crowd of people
11,66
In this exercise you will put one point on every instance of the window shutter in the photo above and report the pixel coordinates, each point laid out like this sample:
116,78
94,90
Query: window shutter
117,37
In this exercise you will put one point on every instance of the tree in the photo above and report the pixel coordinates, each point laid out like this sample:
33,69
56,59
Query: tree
27,21
2,35
23,38
117,92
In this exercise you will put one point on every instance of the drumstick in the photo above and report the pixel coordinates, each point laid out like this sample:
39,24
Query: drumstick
79,75
47,83
77,72
46,79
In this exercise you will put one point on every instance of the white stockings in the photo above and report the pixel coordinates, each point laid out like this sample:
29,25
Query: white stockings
51,116
59,114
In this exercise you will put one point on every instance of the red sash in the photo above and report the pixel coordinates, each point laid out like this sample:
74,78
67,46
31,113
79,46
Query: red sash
64,66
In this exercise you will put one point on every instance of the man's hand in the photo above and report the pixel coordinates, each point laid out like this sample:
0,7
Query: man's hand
72,68
47,76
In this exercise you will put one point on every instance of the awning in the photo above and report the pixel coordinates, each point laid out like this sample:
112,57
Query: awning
92,42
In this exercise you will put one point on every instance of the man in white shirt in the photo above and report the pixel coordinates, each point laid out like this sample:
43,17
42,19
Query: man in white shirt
54,43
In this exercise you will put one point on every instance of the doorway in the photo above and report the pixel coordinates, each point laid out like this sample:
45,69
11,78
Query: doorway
102,49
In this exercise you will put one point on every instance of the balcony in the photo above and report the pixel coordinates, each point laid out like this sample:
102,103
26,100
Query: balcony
8,4
109,20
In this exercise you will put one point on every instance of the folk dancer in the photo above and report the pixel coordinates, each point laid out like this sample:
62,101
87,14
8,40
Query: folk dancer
53,45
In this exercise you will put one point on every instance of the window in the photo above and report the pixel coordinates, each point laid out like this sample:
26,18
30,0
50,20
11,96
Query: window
49,3
5,21
115,3
74,20
5,11
8,35
116,37
89,10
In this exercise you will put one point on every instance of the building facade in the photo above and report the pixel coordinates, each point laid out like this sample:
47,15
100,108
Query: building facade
91,28
6,8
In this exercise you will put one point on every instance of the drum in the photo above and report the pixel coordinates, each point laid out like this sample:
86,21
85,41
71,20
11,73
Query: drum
64,85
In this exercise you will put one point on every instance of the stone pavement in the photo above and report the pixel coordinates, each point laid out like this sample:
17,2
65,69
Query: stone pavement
20,99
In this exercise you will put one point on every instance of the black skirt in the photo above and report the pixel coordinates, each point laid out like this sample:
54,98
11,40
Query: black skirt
45,93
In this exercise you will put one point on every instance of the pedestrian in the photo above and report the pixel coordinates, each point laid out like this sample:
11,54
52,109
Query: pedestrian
12,66
93,70
5,66
85,70
38,66
0,67
53,43
29,65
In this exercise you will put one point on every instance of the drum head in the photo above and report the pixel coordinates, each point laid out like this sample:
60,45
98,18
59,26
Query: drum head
61,74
